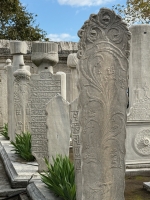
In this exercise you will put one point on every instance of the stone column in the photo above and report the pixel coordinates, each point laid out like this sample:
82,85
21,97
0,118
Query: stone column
17,49
103,83
21,98
72,62
44,86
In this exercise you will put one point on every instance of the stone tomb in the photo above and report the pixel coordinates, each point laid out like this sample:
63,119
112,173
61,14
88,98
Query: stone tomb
138,121
44,86
103,82
58,127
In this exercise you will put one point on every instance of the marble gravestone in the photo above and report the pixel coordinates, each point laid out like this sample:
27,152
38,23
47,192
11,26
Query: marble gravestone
72,62
3,94
58,127
17,49
76,142
21,98
103,82
43,87
138,120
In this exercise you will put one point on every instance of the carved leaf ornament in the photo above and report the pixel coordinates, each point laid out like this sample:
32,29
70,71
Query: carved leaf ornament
103,82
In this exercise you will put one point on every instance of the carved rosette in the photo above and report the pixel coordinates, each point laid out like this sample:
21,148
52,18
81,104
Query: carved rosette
103,82
142,142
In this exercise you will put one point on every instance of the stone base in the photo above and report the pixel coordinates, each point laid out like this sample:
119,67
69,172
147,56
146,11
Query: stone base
37,190
146,185
18,171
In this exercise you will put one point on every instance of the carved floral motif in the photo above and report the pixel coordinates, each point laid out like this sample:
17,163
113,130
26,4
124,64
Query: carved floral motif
103,70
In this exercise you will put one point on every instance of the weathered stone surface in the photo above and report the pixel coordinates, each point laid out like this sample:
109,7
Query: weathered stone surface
44,87
103,73
139,73
18,48
58,123
63,84
3,94
44,54
72,62
76,142
138,128
21,99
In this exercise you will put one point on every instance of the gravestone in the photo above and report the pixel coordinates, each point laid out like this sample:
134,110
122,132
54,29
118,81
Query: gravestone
17,49
58,127
103,82
3,94
76,142
21,98
44,86
72,62
138,128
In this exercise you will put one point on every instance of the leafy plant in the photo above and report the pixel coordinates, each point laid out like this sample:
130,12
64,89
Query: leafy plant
4,131
60,178
22,146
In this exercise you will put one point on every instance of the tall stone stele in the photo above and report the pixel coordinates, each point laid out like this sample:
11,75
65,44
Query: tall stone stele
44,86
17,49
103,82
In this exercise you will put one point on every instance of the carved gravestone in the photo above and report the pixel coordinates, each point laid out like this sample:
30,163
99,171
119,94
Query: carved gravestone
72,62
21,98
138,121
44,86
76,142
102,83
3,94
58,127
17,49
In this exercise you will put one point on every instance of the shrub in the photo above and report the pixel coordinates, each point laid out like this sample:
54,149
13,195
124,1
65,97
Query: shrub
22,146
60,178
4,131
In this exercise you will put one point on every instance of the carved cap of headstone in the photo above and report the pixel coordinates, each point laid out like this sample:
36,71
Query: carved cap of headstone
105,28
72,60
8,62
23,72
46,52
18,47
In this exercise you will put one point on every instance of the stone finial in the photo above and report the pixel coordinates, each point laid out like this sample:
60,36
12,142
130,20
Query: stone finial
23,72
8,62
72,60
18,47
44,54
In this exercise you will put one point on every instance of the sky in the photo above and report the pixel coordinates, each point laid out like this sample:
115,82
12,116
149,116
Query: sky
62,19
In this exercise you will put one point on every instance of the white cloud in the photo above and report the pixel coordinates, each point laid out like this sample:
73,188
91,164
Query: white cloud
61,37
83,2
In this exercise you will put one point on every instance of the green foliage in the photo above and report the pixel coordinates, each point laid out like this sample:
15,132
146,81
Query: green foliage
22,146
60,178
4,131
18,24
135,11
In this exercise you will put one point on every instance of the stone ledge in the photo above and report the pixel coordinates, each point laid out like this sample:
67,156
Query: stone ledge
138,172
18,171
37,190
146,185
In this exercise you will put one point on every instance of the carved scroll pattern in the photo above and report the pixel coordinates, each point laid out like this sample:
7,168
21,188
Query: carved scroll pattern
103,83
